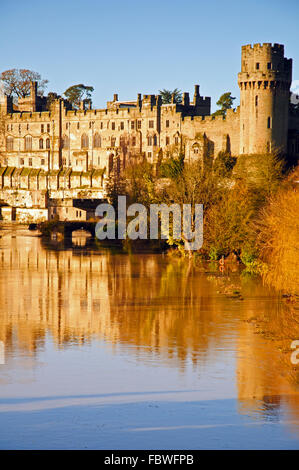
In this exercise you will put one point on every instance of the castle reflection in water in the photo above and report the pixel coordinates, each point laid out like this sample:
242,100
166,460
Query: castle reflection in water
154,306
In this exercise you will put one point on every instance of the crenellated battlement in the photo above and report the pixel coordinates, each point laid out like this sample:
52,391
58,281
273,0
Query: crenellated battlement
202,120
265,60
259,48
29,116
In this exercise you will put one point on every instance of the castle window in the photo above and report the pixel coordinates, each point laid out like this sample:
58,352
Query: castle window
28,142
19,127
256,100
42,161
269,65
176,140
132,125
149,141
9,143
78,125
97,140
113,126
42,128
113,141
30,161
21,161
257,66
101,125
167,141
27,127
84,141
122,141
133,141
47,143
48,127
122,126
155,140
65,142
41,144
269,122
167,123
149,154
66,125
138,124
151,124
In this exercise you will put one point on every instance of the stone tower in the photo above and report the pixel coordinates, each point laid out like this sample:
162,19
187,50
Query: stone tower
264,82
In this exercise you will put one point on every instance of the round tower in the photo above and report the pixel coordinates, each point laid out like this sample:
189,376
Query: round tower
264,82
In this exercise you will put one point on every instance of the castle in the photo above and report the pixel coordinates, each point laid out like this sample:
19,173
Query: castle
52,148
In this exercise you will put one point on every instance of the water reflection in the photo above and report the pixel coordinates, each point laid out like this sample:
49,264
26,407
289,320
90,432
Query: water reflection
158,309
80,238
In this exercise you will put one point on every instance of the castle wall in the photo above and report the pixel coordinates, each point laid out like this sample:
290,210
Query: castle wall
64,145
221,133
31,188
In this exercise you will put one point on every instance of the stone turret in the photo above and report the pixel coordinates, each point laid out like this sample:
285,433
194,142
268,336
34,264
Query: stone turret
264,82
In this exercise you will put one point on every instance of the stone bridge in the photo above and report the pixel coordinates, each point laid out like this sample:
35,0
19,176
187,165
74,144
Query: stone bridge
70,227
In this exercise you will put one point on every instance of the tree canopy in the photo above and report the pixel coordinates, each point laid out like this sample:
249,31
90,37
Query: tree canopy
167,94
225,102
77,93
16,82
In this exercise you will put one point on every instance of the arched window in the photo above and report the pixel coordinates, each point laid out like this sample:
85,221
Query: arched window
97,140
84,141
47,143
9,143
155,140
28,142
65,142
41,144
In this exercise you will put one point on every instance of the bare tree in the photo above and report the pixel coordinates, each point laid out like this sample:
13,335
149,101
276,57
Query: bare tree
16,82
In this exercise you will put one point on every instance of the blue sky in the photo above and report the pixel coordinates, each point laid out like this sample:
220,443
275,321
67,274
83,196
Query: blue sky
129,47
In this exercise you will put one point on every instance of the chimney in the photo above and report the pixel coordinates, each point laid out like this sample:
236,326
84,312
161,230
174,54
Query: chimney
186,99
33,89
196,95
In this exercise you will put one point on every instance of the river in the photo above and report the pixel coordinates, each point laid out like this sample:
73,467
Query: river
104,350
